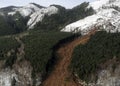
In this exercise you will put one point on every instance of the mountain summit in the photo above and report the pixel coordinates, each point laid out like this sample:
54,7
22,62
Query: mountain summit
106,16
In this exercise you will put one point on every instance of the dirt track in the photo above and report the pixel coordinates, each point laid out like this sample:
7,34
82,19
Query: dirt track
61,76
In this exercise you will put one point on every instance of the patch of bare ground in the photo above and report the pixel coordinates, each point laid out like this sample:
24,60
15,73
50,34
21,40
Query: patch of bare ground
60,75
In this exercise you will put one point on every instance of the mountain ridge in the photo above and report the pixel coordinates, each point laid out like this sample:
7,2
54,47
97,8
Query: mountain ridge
32,16
34,11
106,16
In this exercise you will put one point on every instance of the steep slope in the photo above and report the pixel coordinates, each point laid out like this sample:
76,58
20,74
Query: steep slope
18,19
64,17
35,12
26,10
12,24
32,16
100,4
60,75
39,15
5,28
8,9
107,16
39,44
15,70
98,61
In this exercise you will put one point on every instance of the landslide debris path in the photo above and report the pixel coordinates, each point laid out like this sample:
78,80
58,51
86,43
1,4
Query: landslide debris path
21,52
60,75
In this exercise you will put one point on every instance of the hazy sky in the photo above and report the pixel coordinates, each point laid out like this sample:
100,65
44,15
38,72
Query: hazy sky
65,3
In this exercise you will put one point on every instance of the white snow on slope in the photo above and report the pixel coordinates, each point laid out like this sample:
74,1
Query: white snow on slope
98,4
39,15
6,77
35,13
25,10
105,17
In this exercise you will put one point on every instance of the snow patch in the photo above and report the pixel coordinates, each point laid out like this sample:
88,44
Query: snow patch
98,4
6,77
39,15
25,10
35,13
11,13
105,17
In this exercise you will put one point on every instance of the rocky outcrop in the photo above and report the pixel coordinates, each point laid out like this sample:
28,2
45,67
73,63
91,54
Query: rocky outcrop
106,14
108,75
19,73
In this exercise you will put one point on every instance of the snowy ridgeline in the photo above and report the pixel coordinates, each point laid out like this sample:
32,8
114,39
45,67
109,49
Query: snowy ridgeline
39,15
107,16
35,12
25,10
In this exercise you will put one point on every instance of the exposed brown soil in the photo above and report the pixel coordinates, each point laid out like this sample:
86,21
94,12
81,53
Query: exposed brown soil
60,75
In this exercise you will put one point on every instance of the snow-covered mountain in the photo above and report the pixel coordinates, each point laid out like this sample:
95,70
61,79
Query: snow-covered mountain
34,15
40,14
106,16
25,10
33,11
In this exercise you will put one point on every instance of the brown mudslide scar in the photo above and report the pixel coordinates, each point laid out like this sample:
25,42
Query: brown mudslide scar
60,75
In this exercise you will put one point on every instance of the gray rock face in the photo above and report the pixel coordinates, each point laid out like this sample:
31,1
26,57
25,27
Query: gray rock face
109,75
20,71
107,14
109,78
6,77
19,75
24,74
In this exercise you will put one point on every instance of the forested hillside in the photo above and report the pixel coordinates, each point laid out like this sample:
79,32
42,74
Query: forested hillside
8,49
100,48
5,28
39,48
64,17
10,25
